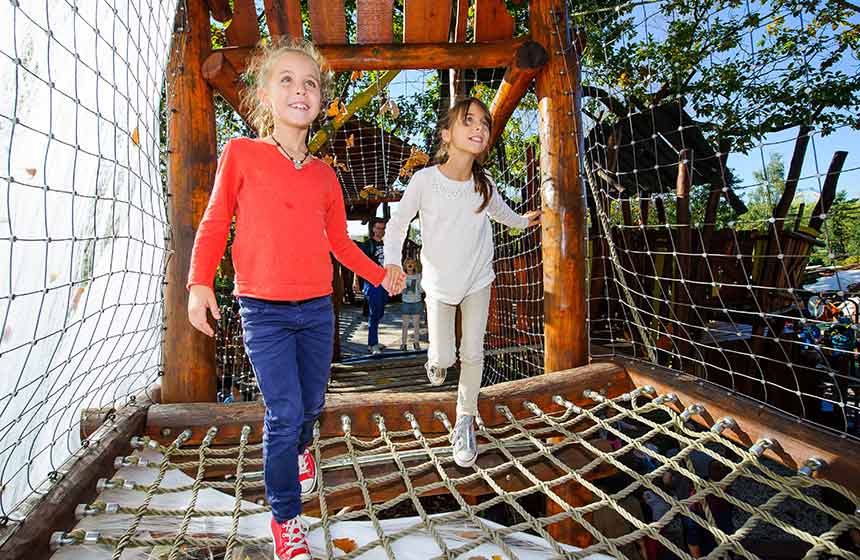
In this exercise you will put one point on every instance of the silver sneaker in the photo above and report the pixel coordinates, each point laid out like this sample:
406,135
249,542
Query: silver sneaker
464,446
435,374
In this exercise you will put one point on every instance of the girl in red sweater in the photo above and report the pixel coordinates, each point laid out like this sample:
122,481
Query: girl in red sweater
289,213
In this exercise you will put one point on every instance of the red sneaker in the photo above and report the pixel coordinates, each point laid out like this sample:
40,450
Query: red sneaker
291,541
307,472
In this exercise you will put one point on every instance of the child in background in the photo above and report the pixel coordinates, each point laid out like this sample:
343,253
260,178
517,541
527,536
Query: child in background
289,213
454,200
412,306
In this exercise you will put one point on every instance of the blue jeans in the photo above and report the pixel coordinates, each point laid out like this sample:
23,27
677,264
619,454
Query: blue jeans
377,297
290,349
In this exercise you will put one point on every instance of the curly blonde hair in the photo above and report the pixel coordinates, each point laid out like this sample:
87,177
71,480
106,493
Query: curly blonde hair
260,70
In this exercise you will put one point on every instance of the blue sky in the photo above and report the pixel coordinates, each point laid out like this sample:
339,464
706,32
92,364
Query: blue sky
815,165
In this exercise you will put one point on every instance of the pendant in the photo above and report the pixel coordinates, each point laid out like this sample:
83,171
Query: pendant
297,164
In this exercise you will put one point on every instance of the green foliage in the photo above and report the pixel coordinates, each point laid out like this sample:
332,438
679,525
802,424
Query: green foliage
764,196
841,233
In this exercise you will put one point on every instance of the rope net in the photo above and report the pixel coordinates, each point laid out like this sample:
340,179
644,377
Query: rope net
705,288
375,153
83,225
630,473
723,208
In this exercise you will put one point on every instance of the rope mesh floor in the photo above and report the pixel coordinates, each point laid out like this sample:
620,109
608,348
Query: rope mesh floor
153,508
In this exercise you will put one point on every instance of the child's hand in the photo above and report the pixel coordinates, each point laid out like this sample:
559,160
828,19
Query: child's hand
201,298
533,217
395,279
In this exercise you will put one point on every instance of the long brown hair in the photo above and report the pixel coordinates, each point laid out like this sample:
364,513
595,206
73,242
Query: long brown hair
458,111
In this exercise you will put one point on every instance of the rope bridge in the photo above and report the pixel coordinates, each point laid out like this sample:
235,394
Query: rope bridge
372,500
685,272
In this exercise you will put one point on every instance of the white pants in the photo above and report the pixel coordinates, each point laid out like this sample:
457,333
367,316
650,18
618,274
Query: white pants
440,323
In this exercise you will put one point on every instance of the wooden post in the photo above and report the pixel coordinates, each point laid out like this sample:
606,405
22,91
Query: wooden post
828,192
644,206
791,180
568,531
189,356
561,190
683,244
456,83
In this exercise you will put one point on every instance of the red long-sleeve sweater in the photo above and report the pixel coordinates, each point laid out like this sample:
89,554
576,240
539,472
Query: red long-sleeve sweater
287,221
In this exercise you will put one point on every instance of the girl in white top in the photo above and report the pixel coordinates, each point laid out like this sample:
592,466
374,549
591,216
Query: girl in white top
454,200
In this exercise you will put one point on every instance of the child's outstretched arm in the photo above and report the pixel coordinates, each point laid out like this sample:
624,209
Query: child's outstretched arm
210,242
399,224
499,210
347,252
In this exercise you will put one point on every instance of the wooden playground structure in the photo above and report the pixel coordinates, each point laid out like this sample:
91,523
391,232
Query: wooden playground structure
555,294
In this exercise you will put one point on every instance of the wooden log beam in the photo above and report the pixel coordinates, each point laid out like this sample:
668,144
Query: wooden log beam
828,191
243,30
414,56
189,355
92,419
223,78
284,18
220,10
165,422
527,62
797,440
55,510
564,255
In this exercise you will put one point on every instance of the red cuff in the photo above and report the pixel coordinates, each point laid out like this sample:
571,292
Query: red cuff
378,277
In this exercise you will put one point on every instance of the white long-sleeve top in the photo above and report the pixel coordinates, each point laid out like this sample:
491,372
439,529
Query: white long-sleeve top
457,252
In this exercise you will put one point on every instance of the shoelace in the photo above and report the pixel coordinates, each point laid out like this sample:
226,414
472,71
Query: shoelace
293,540
461,428
303,463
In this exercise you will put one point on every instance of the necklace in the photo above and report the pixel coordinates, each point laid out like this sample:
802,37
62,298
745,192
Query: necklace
296,162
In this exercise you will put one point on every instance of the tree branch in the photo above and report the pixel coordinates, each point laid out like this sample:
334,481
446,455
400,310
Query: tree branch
667,87
359,101
848,5
617,107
